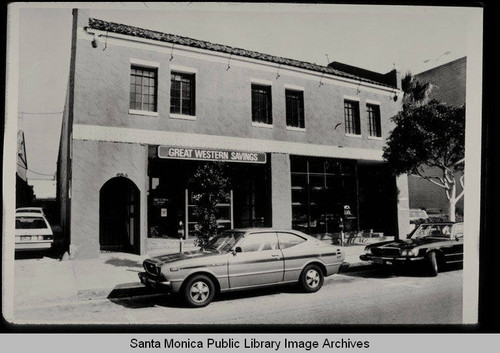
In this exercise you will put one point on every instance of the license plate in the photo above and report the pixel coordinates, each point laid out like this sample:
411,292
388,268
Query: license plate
25,237
378,261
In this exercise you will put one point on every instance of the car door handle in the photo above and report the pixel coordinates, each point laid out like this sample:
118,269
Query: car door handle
275,255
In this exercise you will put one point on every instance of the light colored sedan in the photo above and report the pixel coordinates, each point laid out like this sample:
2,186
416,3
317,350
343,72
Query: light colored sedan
243,259
30,210
33,232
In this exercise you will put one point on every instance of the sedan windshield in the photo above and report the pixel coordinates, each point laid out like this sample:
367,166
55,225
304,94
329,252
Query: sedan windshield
224,241
432,230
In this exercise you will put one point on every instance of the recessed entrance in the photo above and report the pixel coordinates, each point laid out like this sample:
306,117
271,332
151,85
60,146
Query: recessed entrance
119,206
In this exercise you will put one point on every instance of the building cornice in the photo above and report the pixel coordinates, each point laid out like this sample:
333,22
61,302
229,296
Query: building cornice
182,139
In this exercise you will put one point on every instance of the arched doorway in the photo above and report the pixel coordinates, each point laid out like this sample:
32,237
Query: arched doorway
119,209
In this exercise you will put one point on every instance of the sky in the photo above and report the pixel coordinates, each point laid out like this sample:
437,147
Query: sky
372,37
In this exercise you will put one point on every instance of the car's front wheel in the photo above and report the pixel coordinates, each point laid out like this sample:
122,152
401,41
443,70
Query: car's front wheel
199,291
432,264
311,278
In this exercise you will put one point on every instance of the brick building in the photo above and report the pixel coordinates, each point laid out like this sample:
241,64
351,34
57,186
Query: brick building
449,84
303,142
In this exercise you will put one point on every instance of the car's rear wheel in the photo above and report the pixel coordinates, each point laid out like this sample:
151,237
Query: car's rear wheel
199,291
311,278
432,264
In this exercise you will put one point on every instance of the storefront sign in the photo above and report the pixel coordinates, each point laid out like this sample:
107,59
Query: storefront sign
202,154
159,201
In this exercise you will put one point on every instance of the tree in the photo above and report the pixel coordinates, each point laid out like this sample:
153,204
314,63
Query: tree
415,93
432,136
209,184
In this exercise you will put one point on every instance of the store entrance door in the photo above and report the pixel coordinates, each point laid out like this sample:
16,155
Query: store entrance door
119,216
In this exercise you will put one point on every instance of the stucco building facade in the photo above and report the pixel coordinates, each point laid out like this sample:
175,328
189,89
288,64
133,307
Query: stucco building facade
303,142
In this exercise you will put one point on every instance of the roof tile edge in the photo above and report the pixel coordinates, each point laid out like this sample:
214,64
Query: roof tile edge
201,44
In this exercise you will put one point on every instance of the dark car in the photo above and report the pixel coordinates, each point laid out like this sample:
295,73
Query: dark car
430,245
243,259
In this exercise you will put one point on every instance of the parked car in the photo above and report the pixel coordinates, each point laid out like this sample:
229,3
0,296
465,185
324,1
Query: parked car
431,245
417,214
242,259
33,232
435,213
30,210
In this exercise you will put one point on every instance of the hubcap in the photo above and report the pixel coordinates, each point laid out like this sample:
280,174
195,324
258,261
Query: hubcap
199,292
312,278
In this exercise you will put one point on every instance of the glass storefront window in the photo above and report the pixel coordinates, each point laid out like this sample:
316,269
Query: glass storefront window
321,188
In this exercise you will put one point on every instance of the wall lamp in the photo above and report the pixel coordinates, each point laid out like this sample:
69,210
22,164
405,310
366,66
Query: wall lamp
94,41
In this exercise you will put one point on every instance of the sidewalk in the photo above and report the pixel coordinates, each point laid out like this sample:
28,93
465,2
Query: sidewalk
112,275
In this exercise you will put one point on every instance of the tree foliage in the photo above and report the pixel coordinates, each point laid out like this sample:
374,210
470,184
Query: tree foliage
415,92
431,135
210,185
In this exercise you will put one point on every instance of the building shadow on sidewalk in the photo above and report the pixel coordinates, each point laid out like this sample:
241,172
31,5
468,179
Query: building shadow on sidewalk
115,261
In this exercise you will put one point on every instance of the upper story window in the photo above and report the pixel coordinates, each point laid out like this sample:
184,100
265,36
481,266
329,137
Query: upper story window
143,88
351,116
261,104
374,128
182,93
294,108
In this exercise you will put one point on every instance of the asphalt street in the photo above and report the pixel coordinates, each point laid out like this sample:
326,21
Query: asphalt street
369,298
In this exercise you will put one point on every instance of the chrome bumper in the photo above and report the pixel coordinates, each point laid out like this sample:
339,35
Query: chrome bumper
379,260
153,283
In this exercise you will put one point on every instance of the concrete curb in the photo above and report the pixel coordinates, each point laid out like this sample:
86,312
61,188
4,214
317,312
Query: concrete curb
134,291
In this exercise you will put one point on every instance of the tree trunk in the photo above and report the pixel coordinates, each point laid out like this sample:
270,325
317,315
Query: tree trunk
452,203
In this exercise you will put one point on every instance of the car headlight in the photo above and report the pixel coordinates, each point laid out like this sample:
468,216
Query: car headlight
413,252
368,251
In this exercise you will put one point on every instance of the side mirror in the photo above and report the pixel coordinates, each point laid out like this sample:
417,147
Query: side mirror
237,250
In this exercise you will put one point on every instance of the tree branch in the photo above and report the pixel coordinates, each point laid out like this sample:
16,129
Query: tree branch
463,188
431,179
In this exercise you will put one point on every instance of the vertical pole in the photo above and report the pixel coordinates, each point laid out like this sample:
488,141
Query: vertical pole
356,171
231,207
181,240
186,215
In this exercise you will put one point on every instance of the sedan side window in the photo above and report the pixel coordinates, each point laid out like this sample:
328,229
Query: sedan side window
287,240
259,242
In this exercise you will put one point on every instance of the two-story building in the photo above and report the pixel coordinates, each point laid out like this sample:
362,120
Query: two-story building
303,142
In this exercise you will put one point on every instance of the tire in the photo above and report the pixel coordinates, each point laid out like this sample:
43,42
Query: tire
432,264
199,291
311,278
